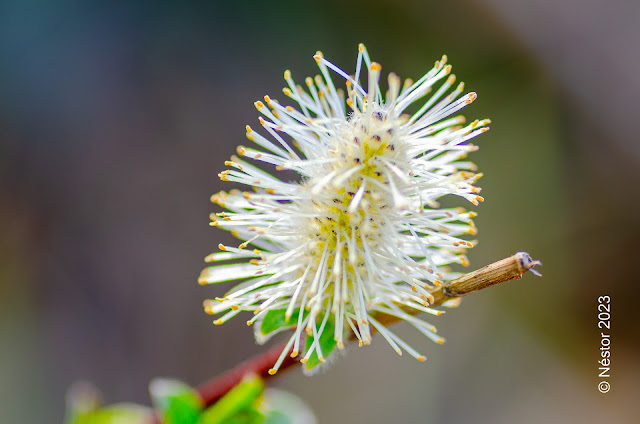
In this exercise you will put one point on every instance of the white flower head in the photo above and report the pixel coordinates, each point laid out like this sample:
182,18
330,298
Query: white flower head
361,234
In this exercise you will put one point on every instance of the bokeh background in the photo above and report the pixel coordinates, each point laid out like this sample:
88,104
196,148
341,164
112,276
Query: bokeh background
115,118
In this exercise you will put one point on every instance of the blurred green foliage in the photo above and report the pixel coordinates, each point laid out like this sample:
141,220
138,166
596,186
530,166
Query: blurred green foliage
177,403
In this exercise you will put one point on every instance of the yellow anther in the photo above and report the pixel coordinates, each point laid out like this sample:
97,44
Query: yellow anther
471,97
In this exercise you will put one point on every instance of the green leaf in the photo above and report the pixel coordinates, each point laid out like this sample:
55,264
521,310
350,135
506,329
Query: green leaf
327,345
275,319
176,402
247,416
236,404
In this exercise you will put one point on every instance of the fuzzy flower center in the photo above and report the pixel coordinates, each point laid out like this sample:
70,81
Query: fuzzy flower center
350,193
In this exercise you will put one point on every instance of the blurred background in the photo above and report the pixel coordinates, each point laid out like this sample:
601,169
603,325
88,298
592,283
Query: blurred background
115,118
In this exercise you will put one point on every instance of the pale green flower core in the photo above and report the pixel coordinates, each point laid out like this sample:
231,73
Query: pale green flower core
362,234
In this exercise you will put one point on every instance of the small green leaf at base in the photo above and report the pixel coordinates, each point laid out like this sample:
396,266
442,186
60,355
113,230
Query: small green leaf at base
327,346
275,320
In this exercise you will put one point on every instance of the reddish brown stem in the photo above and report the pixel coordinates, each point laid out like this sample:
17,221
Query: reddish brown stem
214,389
